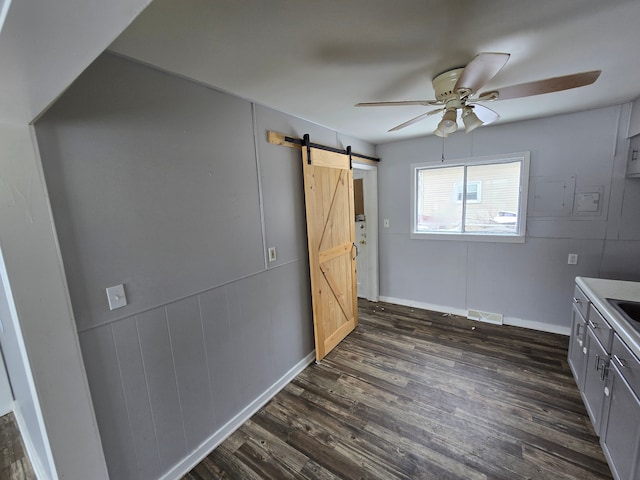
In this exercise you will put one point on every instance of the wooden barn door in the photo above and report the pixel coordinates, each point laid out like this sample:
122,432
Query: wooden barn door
328,187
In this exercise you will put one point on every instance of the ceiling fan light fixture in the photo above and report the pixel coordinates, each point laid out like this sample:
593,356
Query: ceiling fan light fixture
449,123
440,133
470,120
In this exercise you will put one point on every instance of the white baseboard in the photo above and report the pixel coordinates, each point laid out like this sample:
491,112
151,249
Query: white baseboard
514,322
540,326
30,450
425,306
187,464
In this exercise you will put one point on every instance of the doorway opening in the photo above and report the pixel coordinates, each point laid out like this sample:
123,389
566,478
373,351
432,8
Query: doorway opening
365,189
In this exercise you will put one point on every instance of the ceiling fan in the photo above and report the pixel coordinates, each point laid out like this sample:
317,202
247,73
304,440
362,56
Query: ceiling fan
455,88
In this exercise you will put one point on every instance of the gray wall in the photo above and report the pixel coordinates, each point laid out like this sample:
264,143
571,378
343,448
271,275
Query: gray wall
530,283
172,189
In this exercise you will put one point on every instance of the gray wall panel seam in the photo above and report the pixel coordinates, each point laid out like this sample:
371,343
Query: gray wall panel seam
124,394
146,381
206,357
232,338
175,375
254,121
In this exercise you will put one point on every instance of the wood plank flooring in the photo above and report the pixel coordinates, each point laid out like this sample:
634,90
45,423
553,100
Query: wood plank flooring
412,394
14,463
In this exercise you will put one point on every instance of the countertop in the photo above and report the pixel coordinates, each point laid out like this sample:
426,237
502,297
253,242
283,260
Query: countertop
598,290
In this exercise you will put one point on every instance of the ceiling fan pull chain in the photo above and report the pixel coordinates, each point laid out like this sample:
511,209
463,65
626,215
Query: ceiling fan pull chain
442,159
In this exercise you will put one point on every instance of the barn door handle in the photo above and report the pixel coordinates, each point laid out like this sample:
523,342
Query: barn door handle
356,247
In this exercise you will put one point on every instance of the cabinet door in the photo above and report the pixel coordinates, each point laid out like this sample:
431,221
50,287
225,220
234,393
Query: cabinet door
594,379
621,430
633,164
577,348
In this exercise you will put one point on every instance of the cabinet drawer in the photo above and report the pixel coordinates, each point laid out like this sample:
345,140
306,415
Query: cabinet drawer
627,363
600,327
581,302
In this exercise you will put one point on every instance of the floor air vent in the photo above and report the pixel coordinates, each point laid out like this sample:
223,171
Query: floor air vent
487,317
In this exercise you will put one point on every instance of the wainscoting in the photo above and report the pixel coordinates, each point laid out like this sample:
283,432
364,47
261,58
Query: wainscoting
418,394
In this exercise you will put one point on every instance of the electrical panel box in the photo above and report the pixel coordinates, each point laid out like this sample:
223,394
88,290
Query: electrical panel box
589,200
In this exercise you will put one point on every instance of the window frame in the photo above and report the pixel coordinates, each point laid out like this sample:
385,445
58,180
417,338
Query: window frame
517,237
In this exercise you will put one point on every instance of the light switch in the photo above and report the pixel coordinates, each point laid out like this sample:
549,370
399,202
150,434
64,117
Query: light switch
116,297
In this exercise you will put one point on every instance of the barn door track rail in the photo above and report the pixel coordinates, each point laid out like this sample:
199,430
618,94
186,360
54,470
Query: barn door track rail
287,141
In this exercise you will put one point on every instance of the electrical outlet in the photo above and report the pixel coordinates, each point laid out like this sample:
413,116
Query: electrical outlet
573,259
385,223
272,254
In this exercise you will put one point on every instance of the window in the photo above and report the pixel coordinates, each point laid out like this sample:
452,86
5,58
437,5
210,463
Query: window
482,198
473,191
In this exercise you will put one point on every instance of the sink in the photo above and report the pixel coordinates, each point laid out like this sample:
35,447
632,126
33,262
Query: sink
629,310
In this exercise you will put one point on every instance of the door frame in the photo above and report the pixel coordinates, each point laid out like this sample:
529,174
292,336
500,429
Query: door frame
370,194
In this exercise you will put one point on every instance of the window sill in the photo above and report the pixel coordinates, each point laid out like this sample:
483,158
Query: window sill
469,237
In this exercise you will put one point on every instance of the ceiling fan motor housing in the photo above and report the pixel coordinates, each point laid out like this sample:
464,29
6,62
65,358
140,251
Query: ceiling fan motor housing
444,83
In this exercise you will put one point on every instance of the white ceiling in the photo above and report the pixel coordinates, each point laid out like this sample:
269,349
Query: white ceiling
316,59
45,45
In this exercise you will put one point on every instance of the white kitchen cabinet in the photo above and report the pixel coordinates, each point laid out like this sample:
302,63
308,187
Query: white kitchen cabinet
577,346
609,380
620,434
589,347
594,378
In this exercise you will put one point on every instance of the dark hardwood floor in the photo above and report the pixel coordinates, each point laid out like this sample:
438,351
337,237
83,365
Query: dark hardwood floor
14,463
412,394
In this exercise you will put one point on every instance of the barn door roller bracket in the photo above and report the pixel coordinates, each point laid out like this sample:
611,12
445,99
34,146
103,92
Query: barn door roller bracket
282,139
307,145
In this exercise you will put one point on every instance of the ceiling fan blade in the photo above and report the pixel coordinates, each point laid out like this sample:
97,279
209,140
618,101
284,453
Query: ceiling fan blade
539,87
412,121
486,115
480,70
424,103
